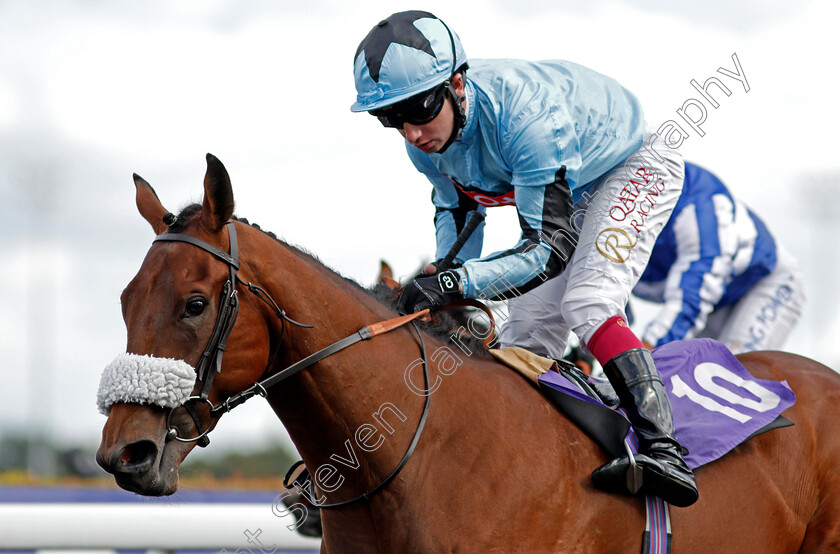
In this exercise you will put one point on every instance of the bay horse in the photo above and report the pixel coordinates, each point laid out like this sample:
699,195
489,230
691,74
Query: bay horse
496,467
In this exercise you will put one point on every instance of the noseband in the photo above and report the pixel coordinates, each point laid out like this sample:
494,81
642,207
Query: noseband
210,362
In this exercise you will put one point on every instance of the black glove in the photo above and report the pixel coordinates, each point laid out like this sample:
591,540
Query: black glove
455,264
429,292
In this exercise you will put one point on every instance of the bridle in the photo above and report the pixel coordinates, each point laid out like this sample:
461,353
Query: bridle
210,362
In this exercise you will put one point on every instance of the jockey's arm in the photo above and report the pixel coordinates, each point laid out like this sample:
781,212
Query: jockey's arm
451,210
536,157
545,246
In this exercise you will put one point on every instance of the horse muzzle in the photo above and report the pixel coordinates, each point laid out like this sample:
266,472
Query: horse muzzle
131,459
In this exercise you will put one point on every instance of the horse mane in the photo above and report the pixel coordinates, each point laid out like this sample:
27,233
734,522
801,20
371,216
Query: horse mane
443,327
181,220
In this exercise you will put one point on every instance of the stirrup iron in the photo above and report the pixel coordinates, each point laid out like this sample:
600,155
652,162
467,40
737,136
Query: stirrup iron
634,472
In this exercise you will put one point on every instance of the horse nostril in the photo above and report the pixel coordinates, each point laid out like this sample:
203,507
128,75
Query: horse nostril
136,457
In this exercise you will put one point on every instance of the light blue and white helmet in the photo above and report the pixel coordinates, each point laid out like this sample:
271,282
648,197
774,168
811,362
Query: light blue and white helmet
405,54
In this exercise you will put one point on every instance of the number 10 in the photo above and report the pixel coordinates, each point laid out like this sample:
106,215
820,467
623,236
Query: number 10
705,373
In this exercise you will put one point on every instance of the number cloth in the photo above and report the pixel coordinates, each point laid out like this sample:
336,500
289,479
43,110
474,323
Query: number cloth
716,403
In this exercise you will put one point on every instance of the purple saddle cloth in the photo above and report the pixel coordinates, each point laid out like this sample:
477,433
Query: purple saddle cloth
716,403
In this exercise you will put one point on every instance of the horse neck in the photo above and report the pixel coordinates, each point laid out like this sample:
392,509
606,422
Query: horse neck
353,414
354,396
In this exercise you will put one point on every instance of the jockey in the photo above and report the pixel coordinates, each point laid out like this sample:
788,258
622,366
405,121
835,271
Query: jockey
719,273
541,136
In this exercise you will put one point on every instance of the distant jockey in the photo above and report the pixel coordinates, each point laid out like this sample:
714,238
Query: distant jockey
539,136
719,273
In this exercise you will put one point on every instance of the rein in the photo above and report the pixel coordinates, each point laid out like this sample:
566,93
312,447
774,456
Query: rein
211,358
365,333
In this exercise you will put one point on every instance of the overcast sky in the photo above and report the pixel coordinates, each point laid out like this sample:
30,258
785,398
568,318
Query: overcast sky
93,91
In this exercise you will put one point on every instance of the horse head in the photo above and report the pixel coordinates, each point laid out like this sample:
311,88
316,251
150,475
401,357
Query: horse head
158,407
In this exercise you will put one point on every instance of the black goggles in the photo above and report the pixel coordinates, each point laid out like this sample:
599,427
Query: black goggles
417,110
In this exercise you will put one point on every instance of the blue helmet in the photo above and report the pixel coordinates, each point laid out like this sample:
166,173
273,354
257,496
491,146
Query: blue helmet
405,54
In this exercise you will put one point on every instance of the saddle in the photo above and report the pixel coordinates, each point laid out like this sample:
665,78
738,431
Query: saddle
716,403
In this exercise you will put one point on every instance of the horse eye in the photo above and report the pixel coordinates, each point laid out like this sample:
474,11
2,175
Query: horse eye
194,307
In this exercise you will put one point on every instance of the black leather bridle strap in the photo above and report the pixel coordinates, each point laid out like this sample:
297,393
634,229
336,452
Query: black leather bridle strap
231,307
304,480
364,333
210,362
230,259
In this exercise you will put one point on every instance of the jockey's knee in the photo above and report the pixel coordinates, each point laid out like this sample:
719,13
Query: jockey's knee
586,311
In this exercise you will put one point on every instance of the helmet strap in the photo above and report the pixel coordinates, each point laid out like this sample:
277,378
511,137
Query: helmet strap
457,101
460,118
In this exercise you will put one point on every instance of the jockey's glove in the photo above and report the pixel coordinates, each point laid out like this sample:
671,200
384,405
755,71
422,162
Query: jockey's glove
430,292
436,265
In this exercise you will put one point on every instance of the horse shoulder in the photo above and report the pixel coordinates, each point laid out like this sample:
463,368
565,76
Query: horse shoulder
809,452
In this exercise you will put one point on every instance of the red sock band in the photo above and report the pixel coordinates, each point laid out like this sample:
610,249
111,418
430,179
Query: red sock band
611,339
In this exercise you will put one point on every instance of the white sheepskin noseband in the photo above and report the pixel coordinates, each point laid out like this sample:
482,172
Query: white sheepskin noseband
145,380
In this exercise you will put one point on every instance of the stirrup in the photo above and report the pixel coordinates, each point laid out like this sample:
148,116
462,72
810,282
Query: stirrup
639,473
634,472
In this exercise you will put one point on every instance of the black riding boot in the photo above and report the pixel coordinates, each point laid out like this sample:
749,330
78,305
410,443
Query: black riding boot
661,470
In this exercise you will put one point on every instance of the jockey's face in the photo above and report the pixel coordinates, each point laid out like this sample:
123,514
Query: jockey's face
430,137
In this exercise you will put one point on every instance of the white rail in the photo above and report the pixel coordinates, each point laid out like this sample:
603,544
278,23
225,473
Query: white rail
166,527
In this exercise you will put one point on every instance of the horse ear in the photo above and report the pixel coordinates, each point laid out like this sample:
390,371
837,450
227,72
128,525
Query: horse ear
149,205
386,276
218,195
385,270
